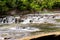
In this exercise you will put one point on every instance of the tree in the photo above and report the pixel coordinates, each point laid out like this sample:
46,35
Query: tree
22,4
51,3
34,5
3,6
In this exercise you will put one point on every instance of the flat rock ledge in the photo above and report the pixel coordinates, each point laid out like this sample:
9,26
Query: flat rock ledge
40,35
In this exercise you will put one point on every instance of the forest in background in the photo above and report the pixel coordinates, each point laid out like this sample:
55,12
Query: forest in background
30,5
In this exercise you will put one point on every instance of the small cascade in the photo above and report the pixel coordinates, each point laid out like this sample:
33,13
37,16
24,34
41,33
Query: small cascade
39,20
26,21
8,20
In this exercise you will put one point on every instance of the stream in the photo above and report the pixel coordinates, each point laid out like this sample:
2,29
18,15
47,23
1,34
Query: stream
15,33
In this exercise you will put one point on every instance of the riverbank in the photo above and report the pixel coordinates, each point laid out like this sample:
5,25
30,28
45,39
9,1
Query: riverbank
40,35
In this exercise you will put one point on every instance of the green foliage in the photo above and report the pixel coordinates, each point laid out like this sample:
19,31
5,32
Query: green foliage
22,4
34,6
11,3
37,5
6,5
